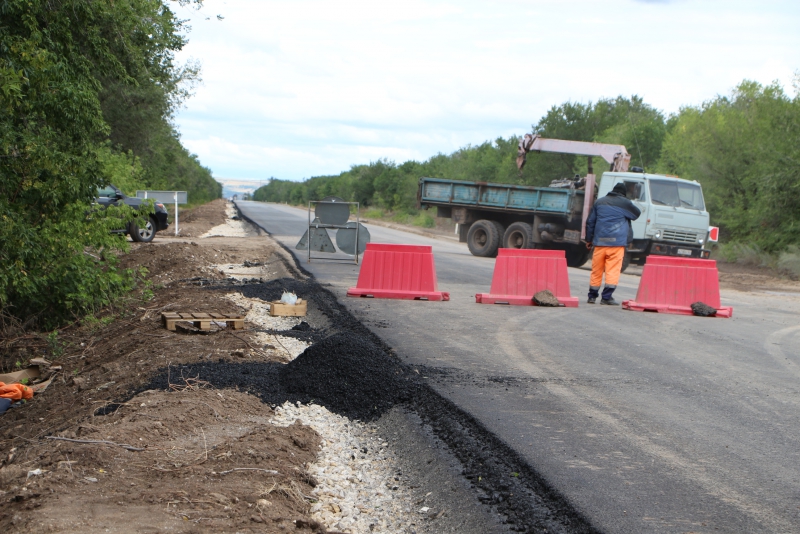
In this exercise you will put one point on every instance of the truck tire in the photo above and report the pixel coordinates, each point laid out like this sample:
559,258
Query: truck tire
501,230
144,234
577,255
518,235
483,238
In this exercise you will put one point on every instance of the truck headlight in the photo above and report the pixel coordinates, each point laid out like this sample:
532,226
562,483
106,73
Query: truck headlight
657,235
700,241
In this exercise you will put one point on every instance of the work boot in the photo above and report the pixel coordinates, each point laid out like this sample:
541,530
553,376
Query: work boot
607,299
594,292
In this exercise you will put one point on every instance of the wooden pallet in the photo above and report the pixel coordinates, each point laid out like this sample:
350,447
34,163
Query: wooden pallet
281,309
203,320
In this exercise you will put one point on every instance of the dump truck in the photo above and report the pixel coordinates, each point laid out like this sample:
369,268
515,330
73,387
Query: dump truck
489,216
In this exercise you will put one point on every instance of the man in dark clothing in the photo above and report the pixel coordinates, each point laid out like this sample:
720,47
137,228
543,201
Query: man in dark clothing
609,229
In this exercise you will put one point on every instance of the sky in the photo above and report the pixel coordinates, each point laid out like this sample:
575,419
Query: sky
301,88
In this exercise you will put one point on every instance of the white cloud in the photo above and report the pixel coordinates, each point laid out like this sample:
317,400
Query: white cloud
307,87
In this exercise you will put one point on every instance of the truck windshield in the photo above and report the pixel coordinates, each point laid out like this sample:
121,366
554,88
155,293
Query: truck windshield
676,194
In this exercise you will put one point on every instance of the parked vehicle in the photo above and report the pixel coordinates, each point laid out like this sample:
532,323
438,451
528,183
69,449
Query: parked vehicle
112,196
489,216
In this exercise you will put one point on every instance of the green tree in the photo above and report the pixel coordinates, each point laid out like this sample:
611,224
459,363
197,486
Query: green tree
56,58
745,150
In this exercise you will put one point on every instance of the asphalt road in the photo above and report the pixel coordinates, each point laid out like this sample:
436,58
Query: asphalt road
646,422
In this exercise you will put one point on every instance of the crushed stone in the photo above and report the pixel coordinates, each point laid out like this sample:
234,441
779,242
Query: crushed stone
355,472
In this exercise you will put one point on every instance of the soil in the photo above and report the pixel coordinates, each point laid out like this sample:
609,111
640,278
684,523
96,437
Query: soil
753,278
197,221
191,436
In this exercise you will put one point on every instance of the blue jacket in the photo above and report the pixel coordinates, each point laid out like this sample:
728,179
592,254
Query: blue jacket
609,224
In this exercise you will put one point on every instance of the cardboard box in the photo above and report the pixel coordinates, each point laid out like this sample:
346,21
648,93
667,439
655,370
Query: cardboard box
281,309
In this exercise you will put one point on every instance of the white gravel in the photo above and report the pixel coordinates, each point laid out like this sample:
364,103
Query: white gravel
355,472
258,314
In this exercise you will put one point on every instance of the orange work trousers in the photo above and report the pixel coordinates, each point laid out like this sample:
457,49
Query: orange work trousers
606,260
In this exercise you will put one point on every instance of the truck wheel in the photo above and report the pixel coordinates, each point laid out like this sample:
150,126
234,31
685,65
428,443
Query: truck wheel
501,230
144,234
518,235
483,238
626,260
577,255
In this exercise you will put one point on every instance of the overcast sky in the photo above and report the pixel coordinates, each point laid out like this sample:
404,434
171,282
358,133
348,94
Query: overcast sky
302,88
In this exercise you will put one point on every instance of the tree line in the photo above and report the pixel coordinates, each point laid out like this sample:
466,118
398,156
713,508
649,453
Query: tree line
744,148
88,91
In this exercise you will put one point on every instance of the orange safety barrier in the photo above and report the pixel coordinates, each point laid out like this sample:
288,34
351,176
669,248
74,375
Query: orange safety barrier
672,285
520,273
398,272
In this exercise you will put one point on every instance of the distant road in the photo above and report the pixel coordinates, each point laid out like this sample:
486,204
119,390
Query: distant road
646,422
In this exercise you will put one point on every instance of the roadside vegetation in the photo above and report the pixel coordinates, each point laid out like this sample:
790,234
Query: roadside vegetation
87,94
744,148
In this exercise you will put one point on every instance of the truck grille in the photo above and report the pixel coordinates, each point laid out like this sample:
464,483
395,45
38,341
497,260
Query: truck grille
679,237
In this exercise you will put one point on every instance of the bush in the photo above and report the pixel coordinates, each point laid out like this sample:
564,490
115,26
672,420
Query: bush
373,214
745,254
424,220
401,217
789,261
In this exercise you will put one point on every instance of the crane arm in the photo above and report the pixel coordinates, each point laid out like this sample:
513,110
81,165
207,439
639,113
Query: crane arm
616,155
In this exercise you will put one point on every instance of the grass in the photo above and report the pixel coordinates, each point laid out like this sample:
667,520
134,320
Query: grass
745,254
786,262
373,214
789,260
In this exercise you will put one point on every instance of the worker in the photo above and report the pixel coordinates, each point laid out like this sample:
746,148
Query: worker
609,230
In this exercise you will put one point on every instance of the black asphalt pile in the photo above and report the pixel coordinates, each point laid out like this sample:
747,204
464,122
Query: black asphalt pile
703,310
273,289
345,373
351,376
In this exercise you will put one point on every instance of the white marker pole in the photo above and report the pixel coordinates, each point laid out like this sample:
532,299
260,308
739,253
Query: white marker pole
175,196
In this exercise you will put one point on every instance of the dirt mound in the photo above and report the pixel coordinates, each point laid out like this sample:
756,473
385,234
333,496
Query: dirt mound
195,222
205,459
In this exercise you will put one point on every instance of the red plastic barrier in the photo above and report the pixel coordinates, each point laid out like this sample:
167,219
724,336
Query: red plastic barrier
520,273
397,272
672,285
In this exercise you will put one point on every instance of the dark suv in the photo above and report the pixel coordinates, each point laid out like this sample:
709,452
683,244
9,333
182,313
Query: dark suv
112,196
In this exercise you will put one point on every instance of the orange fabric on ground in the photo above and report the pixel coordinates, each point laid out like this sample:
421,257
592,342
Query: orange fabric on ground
606,260
15,391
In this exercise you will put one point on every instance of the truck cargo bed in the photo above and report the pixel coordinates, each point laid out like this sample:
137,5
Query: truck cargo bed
500,197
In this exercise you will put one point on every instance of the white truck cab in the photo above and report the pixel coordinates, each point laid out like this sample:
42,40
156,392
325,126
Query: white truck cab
674,220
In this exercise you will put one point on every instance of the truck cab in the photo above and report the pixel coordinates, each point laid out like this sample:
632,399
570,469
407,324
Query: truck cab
674,220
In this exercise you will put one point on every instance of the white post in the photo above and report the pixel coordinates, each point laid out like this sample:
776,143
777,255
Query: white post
175,196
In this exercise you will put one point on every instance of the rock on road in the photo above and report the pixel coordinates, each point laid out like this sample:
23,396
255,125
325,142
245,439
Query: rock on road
645,422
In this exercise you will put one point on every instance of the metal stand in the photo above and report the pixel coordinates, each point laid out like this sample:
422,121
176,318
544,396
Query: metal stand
333,227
